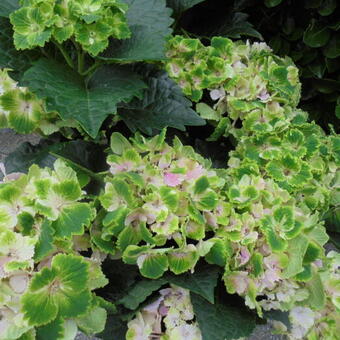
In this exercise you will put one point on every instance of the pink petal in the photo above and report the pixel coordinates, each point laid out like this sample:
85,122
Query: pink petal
171,179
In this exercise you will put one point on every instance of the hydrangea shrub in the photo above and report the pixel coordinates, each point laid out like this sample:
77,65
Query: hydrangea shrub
162,242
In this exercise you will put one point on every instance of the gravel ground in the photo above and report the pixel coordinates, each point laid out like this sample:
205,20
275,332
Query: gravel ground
9,141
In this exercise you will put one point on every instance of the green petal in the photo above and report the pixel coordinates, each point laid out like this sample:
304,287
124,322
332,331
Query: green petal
181,261
72,220
153,265
93,322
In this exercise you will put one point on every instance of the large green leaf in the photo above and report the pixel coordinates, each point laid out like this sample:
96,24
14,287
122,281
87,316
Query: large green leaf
180,6
237,25
220,321
140,291
89,101
26,155
84,157
149,22
8,6
82,154
163,105
316,35
202,282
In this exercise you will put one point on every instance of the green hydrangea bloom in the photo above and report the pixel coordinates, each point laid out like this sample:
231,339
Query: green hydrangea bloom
157,193
90,22
245,80
22,111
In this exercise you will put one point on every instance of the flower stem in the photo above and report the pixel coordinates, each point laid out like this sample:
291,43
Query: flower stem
64,53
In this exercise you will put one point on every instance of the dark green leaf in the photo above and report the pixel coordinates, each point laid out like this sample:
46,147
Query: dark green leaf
115,329
333,65
202,282
26,155
88,102
318,68
163,105
81,153
140,291
327,7
312,3
326,85
272,3
149,22
220,321
237,26
278,315
335,239
332,49
332,219
316,35
8,6
179,6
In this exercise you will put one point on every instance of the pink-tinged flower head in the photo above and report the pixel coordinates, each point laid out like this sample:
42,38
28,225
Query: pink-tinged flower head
116,168
172,180
195,173
243,256
263,96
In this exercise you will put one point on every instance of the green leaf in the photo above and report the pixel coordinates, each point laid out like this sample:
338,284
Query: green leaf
220,321
82,155
90,101
202,282
316,35
8,6
272,3
332,49
149,22
26,155
236,26
163,105
115,328
72,220
206,112
140,291
179,6
327,7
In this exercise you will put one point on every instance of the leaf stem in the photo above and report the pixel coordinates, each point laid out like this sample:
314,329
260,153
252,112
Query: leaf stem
92,68
64,53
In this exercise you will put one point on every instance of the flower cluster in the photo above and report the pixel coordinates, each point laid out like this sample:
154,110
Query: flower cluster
281,179
162,201
174,310
247,81
90,23
22,111
45,285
